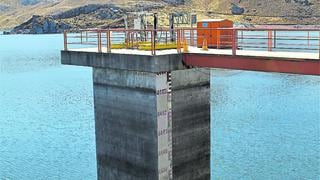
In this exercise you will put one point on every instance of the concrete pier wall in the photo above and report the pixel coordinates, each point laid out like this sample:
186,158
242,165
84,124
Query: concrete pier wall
191,124
126,125
152,118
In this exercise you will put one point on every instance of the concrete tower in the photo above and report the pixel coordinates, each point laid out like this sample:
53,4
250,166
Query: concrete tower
152,116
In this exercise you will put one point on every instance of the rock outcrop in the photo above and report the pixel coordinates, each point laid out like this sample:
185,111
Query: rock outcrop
174,1
4,8
41,25
29,2
87,9
236,10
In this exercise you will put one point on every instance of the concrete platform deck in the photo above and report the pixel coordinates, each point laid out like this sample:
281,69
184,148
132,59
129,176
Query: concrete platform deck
226,52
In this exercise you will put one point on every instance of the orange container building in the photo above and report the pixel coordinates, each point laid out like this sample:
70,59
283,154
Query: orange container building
207,29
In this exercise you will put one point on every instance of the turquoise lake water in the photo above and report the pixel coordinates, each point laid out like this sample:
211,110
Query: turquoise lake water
264,125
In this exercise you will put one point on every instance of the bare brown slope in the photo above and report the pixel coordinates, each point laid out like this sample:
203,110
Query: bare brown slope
17,13
256,11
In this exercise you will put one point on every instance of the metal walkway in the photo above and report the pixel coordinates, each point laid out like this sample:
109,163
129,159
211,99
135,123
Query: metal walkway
285,50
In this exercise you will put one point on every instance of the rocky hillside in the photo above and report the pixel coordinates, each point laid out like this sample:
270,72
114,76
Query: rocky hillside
101,13
280,8
88,16
262,11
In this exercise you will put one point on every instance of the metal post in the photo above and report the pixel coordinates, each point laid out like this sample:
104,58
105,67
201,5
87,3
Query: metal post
146,34
135,37
166,37
234,42
108,41
319,44
153,52
155,24
269,40
191,37
182,35
308,39
127,38
132,40
151,43
99,42
81,36
242,36
178,41
275,39
65,38
154,42
218,38
172,33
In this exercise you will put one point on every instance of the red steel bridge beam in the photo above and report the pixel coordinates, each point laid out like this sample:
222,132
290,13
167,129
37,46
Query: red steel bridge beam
264,64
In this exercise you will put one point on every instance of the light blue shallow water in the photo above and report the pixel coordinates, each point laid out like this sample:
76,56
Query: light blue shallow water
264,125
46,112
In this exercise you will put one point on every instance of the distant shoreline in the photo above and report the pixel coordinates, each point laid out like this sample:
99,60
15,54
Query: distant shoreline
4,31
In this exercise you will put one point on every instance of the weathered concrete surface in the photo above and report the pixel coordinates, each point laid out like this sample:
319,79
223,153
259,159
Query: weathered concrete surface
144,63
191,124
126,124
152,116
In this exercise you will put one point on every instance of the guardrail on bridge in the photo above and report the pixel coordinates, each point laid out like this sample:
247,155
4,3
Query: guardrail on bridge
260,39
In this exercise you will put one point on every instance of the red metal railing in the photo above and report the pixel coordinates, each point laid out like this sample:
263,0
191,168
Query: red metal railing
106,40
234,39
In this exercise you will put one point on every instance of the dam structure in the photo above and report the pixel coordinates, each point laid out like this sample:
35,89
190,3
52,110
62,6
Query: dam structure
152,116
152,95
